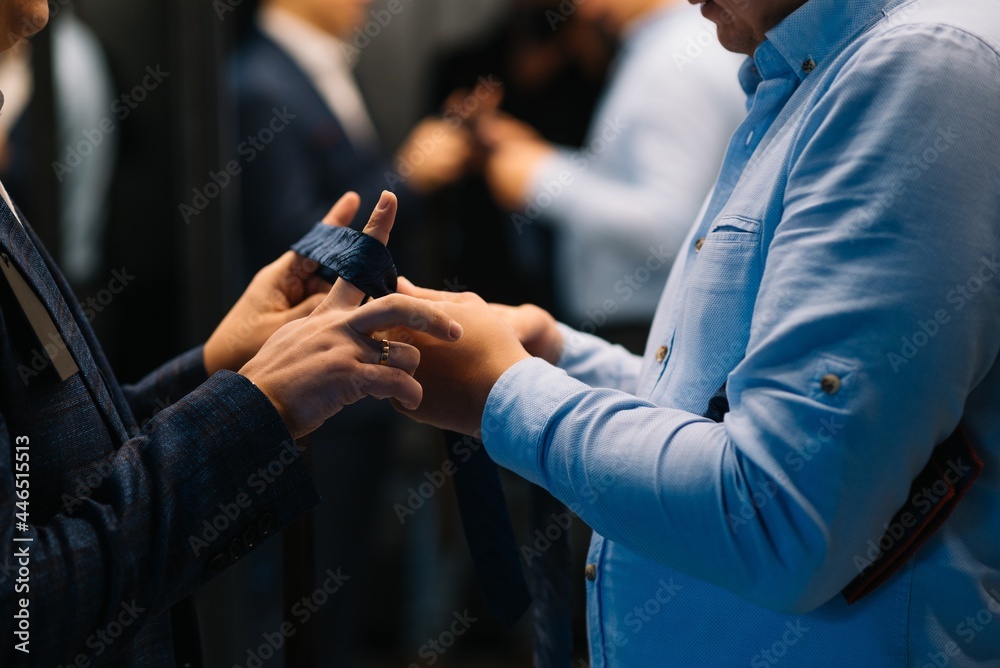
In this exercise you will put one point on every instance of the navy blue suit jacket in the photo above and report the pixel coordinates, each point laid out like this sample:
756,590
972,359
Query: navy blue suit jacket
291,184
124,521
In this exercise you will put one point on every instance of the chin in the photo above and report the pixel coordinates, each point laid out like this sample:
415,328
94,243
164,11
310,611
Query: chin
21,20
736,41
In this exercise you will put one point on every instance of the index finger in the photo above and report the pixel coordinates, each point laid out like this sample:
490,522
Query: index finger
344,211
417,315
405,287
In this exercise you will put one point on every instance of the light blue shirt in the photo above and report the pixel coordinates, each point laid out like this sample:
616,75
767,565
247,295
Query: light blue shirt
621,206
855,233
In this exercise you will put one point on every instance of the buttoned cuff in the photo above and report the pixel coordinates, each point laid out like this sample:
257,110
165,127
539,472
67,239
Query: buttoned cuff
518,412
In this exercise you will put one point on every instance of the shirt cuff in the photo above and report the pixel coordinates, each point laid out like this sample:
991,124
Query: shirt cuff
518,412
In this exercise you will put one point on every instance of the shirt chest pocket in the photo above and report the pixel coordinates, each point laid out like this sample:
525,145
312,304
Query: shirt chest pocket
718,298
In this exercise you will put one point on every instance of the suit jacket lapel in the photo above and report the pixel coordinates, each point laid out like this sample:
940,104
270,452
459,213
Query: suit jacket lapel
20,244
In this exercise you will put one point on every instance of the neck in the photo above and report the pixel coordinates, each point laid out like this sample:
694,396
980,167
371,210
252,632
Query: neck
300,12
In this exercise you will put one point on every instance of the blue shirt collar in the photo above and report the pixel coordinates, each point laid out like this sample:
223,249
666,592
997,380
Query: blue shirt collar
815,33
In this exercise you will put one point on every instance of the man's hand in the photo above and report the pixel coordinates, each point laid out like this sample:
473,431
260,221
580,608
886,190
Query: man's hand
281,292
311,368
510,168
535,328
434,155
499,128
457,378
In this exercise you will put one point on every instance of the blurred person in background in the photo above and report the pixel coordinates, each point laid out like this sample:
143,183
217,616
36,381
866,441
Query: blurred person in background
297,58
621,204
86,142
551,77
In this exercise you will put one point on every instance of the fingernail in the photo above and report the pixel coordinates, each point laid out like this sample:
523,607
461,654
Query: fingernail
455,331
383,201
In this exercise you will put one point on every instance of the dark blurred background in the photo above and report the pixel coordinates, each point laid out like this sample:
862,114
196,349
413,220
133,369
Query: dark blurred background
130,114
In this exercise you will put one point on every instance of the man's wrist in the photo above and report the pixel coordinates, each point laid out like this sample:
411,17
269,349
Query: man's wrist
492,376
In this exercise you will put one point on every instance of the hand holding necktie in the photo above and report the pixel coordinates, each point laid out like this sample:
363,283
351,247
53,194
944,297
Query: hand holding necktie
285,290
312,367
458,378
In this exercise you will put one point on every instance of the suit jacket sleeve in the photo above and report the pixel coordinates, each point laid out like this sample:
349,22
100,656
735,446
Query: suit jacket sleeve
204,482
164,386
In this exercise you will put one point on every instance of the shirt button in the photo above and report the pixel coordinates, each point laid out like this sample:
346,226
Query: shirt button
699,244
830,384
661,353
808,65
591,572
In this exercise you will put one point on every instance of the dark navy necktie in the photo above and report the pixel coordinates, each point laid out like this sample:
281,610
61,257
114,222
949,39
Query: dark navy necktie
551,581
367,264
